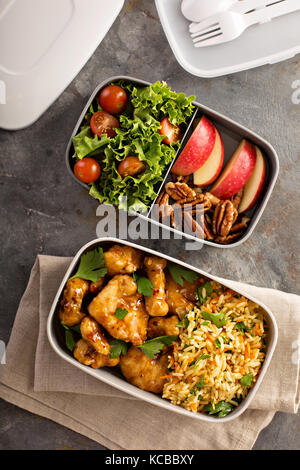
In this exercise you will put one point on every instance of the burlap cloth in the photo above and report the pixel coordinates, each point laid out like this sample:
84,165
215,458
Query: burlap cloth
36,379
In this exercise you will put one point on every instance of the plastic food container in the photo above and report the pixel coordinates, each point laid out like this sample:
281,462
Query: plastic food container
113,376
232,133
262,44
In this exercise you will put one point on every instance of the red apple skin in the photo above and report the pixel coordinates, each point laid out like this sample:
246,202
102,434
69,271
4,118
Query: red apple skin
197,149
218,169
260,177
236,172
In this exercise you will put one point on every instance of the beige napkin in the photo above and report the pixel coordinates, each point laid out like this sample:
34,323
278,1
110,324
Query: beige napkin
36,379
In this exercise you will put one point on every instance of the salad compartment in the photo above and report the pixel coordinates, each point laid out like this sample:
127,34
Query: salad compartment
113,376
231,133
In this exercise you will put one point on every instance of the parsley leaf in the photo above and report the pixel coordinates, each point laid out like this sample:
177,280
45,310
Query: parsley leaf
201,358
246,381
155,345
179,274
184,323
242,327
201,383
193,391
70,342
117,347
218,319
217,343
204,292
121,313
69,338
91,266
221,409
144,285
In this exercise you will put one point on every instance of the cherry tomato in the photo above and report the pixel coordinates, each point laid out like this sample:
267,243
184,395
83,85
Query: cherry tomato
87,170
104,123
113,99
171,132
131,166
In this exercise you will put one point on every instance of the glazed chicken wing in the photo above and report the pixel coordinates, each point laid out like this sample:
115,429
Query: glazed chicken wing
96,286
143,372
163,326
156,305
94,335
87,355
181,299
121,292
122,260
70,312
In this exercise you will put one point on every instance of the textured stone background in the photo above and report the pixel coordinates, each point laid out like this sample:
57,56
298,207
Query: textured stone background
44,211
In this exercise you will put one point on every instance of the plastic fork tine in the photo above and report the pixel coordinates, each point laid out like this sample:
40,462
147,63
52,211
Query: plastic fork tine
206,31
209,41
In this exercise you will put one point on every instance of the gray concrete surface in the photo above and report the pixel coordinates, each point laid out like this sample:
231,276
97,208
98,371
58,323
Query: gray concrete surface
44,211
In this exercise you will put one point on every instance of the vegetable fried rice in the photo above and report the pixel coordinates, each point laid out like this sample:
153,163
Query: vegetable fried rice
219,353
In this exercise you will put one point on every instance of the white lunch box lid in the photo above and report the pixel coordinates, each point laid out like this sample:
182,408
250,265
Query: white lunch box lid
261,44
43,46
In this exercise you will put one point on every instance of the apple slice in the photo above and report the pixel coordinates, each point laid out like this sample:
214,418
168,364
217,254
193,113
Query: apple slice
197,149
237,171
254,185
211,169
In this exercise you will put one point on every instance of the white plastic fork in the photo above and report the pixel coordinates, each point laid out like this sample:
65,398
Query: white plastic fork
229,25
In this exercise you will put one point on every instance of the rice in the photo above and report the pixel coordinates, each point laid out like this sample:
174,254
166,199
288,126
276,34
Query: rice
212,357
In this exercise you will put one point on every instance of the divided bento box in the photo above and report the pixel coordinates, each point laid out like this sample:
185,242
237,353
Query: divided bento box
232,134
113,376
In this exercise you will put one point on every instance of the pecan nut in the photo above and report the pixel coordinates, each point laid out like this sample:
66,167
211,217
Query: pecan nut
228,238
179,191
192,227
224,217
236,199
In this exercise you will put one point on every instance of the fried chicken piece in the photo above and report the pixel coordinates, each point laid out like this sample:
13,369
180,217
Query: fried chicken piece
70,312
87,355
94,334
121,292
121,259
143,372
96,287
163,326
181,299
156,305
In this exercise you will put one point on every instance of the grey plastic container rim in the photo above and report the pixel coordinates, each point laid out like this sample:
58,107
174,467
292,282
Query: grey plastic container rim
233,126
108,377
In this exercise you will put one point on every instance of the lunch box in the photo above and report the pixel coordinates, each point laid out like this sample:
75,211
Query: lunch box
113,376
261,44
231,132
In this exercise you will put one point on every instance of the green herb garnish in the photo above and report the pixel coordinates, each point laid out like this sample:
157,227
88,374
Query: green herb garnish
144,285
117,347
218,319
221,409
201,358
92,266
121,313
184,323
242,327
204,292
70,342
155,345
246,381
201,383
180,274
217,343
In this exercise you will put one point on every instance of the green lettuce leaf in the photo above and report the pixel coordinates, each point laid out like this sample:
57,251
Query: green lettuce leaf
138,135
